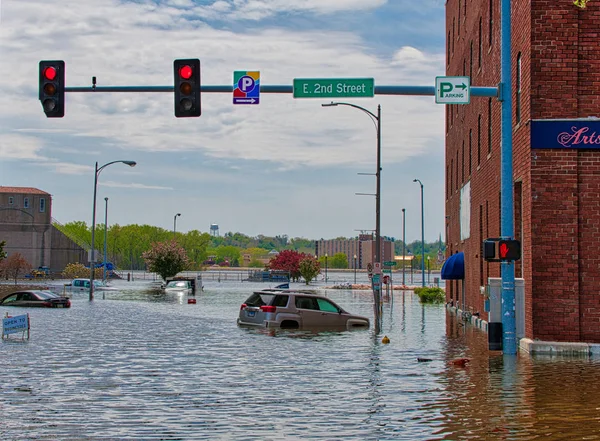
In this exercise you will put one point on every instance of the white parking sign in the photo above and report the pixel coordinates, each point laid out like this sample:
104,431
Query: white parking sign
452,90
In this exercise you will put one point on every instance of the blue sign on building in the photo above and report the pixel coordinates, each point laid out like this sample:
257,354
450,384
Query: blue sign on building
565,134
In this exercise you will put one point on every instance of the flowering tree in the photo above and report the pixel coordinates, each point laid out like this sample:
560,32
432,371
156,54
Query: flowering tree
309,268
288,260
15,265
166,258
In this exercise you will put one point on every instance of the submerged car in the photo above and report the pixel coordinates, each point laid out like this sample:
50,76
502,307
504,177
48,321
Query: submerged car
294,309
38,298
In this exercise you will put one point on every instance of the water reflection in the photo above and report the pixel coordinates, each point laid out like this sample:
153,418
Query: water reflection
142,364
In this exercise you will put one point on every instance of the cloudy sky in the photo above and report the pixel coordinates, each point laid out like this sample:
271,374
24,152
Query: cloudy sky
286,166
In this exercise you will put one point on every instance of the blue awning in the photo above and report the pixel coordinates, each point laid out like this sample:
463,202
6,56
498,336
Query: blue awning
454,267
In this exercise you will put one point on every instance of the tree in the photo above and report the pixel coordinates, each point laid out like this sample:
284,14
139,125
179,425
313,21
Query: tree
339,260
15,265
309,268
80,271
2,252
166,258
288,260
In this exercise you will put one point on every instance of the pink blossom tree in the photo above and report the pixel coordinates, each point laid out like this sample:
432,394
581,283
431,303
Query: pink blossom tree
166,258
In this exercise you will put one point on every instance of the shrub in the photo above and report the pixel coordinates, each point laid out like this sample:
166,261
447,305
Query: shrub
431,295
78,270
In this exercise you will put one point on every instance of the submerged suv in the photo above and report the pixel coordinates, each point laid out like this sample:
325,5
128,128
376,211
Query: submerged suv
293,309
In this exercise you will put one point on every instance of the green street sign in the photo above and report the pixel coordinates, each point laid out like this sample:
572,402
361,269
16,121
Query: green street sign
387,271
334,87
389,263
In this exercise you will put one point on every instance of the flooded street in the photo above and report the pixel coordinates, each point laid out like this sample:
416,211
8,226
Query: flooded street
142,365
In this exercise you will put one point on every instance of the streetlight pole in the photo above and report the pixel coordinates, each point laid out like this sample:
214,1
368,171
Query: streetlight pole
92,252
428,270
355,269
175,224
422,235
105,227
376,119
325,267
404,247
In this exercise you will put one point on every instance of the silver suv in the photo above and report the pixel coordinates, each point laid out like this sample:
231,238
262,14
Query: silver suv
293,309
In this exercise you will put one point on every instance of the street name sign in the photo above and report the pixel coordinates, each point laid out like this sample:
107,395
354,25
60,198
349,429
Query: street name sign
389,263
452,90
246,87
387,271
334,87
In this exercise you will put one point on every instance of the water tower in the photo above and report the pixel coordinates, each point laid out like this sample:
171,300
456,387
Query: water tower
214,229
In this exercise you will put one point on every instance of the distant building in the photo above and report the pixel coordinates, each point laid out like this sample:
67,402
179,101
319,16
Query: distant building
26,226
363,248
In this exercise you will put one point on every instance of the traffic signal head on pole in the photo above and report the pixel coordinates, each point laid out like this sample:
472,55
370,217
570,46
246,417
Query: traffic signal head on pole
187,87
509,250
52,88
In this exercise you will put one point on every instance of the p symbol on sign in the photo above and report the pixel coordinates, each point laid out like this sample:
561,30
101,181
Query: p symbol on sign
445,88
246,84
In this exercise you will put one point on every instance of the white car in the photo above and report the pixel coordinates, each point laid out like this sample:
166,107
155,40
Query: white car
83,285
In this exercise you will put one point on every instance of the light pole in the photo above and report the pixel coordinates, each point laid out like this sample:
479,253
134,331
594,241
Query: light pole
404,247
92,256
376,119
355,269
422,235
428,271
325,267
175,224
105,226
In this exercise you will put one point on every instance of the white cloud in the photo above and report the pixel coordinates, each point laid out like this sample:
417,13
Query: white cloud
135,43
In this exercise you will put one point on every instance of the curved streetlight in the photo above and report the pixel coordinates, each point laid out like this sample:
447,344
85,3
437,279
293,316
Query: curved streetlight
175,224
325,267
92,257
376,119
355,269
404,247
422,235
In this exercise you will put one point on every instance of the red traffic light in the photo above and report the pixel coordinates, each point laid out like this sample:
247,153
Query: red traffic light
50,73
186,72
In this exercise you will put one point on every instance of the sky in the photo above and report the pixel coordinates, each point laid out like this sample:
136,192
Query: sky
287,166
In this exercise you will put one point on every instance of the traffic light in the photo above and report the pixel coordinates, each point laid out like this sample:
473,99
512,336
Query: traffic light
509,250
187,87
52,88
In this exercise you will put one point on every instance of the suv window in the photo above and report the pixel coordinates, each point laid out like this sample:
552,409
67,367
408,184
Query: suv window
306,303
259,299
281,301
326,305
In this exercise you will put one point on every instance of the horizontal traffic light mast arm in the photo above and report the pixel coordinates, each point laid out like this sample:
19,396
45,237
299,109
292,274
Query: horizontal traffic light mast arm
379,90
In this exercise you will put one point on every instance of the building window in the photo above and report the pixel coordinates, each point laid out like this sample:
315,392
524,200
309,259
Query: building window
448,49
25,202
11,200
489,125
471,60
479,139
462,168
470,150
451,176
491,23
518,90
459,8
42,205
480,50
453,26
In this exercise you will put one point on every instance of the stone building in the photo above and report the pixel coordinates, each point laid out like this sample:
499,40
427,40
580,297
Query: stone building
556,160
26,227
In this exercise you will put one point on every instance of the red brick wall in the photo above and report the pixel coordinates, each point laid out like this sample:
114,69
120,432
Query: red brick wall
557,197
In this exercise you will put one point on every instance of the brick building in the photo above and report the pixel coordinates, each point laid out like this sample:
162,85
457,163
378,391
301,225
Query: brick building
363,248
556,160
26,226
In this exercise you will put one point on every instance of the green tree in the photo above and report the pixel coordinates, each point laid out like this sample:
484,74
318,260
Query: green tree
338,261
2,252
309,268
166,258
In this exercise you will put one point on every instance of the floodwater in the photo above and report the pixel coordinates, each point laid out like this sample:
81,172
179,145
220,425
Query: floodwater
141,365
